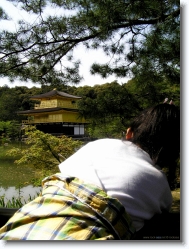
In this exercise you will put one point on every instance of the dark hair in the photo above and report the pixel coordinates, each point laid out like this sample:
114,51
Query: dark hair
157,131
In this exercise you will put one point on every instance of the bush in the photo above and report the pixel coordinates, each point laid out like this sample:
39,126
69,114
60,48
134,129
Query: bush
44,150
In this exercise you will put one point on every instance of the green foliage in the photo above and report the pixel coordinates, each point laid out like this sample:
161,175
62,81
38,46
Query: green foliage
141,38
148,94
112,129
45,151
9,130
15,99
110,107
158,56
103,103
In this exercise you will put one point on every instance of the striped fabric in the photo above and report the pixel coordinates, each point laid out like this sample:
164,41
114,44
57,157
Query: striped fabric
69,209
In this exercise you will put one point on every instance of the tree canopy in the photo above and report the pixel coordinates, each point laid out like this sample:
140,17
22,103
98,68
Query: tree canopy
141,39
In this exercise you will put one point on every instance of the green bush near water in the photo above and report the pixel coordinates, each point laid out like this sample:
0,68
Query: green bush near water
44,150
11,173
28,163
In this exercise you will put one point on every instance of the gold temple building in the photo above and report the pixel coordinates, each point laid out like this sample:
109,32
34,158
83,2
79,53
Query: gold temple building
56,113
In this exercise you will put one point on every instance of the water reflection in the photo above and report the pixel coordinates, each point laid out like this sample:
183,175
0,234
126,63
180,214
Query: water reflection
25,192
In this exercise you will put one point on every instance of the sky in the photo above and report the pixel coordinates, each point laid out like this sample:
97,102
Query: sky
87,57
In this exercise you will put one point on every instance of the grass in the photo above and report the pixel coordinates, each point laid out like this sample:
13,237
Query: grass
14,202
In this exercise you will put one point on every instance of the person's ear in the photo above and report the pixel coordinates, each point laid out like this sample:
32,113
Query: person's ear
129,134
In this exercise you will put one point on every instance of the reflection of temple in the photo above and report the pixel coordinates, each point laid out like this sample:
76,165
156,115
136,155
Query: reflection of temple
56,113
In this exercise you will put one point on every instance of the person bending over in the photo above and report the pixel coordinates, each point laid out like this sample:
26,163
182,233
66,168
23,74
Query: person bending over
108,188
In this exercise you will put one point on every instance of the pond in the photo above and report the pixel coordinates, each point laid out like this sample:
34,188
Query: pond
15,179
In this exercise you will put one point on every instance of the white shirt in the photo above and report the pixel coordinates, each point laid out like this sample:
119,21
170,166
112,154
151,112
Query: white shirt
125,172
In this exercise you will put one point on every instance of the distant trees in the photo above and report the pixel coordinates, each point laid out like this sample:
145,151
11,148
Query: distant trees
150,94
15,99
110,107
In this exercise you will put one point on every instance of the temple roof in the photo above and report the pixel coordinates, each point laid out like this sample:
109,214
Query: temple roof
52,93
45,110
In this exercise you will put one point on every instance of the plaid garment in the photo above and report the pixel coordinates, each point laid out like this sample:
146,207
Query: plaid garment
69,209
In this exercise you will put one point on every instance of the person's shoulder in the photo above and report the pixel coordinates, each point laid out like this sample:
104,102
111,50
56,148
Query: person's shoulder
104,143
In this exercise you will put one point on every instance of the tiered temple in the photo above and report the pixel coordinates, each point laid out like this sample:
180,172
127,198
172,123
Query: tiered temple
56,113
